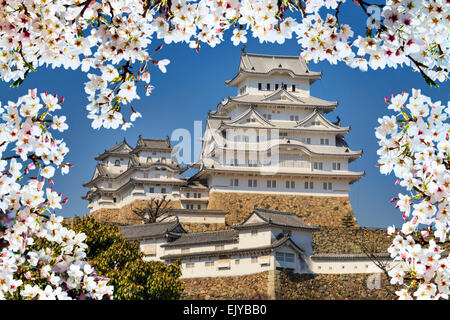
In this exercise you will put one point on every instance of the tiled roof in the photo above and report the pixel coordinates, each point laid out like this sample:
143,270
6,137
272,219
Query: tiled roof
154,143
150,230
204,238
261,63
278,218
300,101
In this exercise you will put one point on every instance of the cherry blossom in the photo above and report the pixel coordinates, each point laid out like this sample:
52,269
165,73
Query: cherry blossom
418,154
112,40
40,258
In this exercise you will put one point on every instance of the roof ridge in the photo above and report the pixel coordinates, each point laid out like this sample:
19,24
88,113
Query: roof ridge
275,211
209,232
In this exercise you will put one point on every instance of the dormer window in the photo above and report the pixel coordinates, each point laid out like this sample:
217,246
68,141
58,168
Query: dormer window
117,163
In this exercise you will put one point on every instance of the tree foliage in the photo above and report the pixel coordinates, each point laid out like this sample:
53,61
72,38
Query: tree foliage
122,261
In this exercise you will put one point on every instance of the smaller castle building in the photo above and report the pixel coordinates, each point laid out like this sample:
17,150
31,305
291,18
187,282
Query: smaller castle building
266,240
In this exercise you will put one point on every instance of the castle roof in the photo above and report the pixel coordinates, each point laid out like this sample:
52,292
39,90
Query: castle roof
261,64
151,230
280,97
199,238
121,149
160,144
275,218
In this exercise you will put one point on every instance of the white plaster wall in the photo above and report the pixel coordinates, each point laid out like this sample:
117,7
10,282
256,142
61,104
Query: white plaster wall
251,83
155,156
244,267
261,238
198,218
345,267
222,183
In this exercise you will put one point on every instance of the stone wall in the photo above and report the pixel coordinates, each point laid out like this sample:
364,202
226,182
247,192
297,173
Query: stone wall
125,214
342,240
252,287
284,285
318,210
291,286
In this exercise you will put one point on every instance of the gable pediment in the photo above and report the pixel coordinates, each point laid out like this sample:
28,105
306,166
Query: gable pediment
254,218
281,95
251,117
316,120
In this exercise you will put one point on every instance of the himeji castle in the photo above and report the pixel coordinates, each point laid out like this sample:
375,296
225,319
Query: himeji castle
273,136
270,146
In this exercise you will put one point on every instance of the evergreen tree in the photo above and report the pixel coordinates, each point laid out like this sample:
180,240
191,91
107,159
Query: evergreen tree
120,260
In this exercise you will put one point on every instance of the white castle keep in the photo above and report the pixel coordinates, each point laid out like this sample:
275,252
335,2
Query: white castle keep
272,138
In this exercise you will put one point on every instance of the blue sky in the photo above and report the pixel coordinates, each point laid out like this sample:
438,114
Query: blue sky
195,84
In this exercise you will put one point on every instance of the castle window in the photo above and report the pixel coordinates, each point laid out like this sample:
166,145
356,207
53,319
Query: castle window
187,195
327,186
146,175
242,90
184,250
234,182
152,190
285,86
336,166
259,86
252,183
308,140
220,247
209,264
268,86
199,207
163,190
254,233
294,118
271,183
190,265
290,184
289,257
117,163
110,185
293,87
254,259
325,141
276,86
309,185
237,261
318,165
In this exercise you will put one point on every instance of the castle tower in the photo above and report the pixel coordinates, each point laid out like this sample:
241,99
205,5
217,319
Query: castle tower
124,174
271,145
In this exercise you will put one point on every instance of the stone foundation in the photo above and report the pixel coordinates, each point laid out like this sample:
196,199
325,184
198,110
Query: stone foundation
317,210
343,240
283,285
355,286
125,214
252,287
